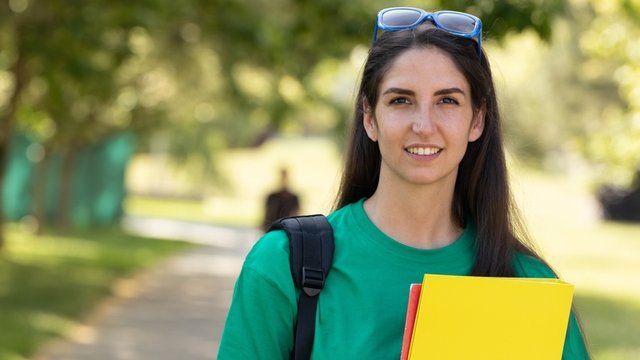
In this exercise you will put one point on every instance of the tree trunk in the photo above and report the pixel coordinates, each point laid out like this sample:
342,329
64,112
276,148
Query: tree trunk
19,71
4,150
63,216
38,211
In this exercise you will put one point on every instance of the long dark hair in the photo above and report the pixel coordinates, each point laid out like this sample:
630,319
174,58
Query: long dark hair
482,196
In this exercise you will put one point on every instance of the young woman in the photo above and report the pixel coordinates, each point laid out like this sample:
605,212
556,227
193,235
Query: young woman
424,190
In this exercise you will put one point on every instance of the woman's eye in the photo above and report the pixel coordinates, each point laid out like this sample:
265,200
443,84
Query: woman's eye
449,100
399,100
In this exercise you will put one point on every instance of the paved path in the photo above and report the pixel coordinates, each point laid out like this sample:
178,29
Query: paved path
172,312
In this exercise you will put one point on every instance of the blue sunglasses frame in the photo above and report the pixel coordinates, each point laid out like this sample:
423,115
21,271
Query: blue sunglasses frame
475,34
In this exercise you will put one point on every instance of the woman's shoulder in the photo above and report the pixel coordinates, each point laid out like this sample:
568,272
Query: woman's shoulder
526,265
347,216
269,253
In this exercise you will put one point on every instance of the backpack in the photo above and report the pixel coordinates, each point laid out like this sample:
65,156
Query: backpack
310,257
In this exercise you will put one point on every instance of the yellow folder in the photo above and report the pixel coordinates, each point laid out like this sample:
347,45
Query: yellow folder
471,317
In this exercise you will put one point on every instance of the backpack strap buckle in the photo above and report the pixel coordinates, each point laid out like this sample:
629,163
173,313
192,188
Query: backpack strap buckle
312,281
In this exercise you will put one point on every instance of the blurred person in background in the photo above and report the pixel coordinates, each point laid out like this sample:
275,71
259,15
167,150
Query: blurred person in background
280,203
424,190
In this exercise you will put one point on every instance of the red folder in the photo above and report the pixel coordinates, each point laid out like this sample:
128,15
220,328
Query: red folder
412,308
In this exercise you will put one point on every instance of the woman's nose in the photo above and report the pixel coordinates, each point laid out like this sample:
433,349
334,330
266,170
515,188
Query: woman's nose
423,122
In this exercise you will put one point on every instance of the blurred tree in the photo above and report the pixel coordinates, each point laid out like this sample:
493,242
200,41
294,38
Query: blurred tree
610,46
61,61
576,98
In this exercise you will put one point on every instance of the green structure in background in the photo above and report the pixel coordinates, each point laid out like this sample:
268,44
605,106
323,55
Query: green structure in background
98,182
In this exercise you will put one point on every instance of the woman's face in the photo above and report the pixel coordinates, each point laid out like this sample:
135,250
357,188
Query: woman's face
424,118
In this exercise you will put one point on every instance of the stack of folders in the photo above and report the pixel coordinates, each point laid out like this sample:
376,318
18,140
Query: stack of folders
486,318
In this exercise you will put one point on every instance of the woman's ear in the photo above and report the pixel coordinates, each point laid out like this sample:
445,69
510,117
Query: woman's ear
477,123
369,121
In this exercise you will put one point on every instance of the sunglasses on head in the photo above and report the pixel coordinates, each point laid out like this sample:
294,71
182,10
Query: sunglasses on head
406,18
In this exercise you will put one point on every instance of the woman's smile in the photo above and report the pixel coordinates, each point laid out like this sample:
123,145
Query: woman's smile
423,151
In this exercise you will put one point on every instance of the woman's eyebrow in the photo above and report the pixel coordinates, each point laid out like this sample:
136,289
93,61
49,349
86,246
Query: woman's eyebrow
395,90
448,91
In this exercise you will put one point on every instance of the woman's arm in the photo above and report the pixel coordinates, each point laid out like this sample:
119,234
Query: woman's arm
574,344
263,308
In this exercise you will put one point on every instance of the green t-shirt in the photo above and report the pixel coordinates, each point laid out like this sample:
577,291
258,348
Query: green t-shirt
362,308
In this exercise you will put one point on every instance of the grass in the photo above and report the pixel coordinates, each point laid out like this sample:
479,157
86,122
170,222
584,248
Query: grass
602,259
50,283
611,325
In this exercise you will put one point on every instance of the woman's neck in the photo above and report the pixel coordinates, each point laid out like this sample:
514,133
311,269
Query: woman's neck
417,216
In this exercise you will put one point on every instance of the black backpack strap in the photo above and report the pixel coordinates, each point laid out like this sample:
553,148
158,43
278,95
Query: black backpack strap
310,256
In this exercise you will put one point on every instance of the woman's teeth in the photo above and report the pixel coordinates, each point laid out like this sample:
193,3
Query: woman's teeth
423,150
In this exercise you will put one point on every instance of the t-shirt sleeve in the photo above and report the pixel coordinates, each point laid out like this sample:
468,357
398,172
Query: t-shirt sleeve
574,344
260,321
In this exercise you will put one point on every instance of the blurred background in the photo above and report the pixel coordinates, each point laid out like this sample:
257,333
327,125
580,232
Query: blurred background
187,110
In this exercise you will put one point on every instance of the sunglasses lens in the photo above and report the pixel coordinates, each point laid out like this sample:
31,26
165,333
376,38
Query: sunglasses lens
400,17
456,22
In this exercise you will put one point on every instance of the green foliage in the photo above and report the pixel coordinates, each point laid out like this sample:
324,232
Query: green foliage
611,53
574,100
502,17
49,283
